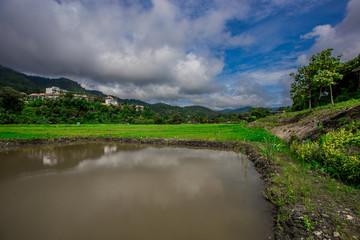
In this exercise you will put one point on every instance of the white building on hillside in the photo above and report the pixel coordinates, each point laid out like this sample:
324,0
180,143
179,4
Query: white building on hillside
110,101
139,108
52,89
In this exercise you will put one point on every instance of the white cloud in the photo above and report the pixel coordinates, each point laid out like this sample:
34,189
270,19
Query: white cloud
115,44
343,38
150,50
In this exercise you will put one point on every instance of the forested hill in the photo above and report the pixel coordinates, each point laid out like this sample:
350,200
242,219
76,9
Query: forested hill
202,111
239,110
35,84
168,110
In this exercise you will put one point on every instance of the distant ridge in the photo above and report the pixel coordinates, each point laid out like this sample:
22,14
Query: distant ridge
35,84
238,110
167,110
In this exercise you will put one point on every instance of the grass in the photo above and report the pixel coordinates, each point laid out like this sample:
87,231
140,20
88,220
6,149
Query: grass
338,106
303,184
212,132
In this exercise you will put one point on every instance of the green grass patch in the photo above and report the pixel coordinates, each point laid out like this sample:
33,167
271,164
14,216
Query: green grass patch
212,132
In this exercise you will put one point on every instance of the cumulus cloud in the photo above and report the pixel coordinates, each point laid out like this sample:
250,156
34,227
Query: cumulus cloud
116,43
166,50
343,38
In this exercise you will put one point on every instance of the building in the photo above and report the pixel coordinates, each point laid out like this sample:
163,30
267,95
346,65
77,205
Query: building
35,96
52,89
54,93
78,96
139,108
110,101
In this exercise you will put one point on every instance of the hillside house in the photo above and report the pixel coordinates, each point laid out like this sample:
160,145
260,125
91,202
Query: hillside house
139,108
54,93
35,96
79,96
110,101
52,90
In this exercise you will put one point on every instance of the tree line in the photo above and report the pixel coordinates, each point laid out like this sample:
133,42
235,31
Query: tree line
15,108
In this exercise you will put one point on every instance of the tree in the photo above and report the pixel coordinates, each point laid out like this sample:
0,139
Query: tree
11,100
326,70
322,71
176,119
327,78
68,96
259,112
303,83
158,119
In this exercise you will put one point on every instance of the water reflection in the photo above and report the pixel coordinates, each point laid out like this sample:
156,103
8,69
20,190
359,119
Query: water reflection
98,191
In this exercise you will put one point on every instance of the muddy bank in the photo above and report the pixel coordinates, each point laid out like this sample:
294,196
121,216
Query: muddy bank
309,125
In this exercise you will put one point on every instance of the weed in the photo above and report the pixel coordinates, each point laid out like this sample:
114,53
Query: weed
307,223
269,148
341,121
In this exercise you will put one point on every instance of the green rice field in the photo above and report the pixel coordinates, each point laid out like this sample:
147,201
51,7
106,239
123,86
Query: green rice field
212,132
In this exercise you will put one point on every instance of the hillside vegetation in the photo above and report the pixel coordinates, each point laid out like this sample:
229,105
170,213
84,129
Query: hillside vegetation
326,137
35,84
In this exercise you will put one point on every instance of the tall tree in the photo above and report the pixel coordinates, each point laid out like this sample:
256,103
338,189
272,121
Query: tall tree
303,83
326,70
322,71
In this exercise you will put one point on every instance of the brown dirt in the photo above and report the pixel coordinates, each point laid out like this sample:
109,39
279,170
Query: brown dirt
310,125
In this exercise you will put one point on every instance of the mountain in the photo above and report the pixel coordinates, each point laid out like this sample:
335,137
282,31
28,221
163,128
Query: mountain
202,111
234,111
166,110
35,84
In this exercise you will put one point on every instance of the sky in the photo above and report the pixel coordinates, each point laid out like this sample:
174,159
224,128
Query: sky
215,53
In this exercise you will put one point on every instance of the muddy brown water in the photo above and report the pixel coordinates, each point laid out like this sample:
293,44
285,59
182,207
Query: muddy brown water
102,191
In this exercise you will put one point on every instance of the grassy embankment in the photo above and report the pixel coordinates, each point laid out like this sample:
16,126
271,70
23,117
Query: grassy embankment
323,149
305,196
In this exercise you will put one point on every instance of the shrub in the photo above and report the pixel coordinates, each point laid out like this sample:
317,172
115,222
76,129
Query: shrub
337,152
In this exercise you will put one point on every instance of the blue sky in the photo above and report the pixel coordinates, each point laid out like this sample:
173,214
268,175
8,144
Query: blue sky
216,53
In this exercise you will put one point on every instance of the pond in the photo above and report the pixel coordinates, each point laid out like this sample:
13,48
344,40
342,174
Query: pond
114,191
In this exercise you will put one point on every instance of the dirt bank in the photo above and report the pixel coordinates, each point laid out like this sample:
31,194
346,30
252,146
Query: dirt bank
309,124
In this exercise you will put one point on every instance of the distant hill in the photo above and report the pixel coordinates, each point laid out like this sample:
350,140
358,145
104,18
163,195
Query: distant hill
166,110
36,84
235,111
202,111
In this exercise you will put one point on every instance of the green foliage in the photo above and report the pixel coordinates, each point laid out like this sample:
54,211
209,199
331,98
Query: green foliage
70,110
307,223
259,112
336,153
269,148
11,101
325,75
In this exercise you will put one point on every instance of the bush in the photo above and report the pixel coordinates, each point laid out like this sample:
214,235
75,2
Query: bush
337,152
